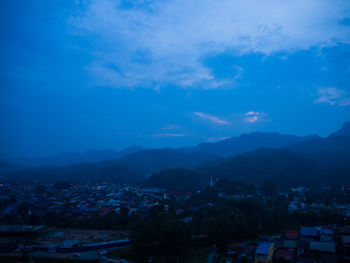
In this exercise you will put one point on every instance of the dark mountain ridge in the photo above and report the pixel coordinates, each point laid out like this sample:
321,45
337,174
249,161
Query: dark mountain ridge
248,142
224,148
343,131
129,169
67,158
312,159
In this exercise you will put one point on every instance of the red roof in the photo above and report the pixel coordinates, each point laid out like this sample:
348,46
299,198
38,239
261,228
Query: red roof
292,234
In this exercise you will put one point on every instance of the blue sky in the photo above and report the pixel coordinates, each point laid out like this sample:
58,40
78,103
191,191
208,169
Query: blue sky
80,75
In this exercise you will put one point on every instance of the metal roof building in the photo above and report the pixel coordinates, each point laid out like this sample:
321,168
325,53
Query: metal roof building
322,246
308,231
263,248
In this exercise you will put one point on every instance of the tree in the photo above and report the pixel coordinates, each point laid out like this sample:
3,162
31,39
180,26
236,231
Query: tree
160,236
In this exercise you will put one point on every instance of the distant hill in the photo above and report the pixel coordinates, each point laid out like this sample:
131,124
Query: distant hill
312,161
280,165
285,159
224,148
175,179
150,161
343,131
131,168
6,167
77,173
283,166
67,158
248,142
331,151
331,154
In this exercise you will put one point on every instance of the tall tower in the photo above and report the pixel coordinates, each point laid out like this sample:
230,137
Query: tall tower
211,184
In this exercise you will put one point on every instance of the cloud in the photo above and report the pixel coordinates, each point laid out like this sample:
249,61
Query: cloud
150,43
333,96
216,139
211,118
253,116
252,119
249,113
168,135
171,127
170,130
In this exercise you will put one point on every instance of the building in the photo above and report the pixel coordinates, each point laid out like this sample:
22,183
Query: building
264,252
326,247
308,234
290,244
346,247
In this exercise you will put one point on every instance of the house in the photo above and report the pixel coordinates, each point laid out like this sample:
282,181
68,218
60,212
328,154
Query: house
346,241
325,247
263,253
290,244
346,246
323,251
326,235
308,234
344,231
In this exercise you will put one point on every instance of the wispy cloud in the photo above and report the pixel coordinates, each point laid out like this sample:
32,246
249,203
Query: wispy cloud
253,116
211,118
333,96
250,113
171,127
168,135
216,139
252,119
155,42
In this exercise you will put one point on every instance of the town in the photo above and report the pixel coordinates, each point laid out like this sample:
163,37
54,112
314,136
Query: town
90,221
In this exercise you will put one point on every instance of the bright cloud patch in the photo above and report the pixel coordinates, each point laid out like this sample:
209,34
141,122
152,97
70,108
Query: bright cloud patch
211,118
152,43
253,116
333,96
250,113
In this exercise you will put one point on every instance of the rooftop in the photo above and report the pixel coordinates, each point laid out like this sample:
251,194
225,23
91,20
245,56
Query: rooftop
290,243
322,246
346,240
308,231
263,248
